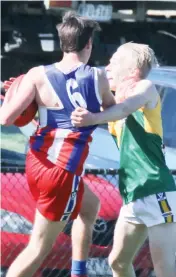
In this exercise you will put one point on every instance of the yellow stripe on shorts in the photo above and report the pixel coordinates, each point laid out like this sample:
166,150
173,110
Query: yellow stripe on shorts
164,207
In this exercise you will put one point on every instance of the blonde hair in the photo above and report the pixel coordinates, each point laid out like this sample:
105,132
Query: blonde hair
140,56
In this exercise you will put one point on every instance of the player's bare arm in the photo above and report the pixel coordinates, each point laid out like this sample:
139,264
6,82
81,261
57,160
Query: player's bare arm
145,95
107,97
13,107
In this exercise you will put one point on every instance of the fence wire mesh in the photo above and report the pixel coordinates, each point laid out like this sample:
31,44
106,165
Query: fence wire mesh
17,213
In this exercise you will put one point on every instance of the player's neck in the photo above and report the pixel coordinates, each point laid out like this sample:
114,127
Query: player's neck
72,59
125,88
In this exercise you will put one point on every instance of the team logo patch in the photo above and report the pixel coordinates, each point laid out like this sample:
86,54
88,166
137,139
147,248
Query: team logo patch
161,196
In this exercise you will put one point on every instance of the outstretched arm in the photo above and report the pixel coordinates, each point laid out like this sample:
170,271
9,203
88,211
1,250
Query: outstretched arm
145,94
14,106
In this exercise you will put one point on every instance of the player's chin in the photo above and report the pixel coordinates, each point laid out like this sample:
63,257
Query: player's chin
112,85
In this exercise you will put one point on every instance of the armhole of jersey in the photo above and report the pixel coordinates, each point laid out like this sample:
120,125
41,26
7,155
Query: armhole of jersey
42,116
96,85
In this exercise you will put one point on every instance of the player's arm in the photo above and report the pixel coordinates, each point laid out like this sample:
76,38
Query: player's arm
104,90
13,107
145,95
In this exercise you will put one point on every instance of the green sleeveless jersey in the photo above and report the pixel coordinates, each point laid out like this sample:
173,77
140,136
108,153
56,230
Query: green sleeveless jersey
143,170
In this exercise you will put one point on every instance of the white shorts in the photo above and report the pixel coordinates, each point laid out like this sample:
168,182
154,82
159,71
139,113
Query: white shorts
151,210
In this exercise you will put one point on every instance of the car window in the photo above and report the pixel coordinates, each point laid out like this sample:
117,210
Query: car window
13,146
168,97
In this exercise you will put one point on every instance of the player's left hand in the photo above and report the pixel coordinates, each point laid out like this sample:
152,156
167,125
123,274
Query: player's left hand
82,117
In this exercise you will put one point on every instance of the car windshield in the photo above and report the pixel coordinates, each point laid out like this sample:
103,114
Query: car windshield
13,146
168,96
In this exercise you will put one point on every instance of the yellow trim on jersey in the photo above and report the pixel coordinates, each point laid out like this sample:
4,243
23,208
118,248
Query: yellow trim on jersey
152,120
115,129
111,128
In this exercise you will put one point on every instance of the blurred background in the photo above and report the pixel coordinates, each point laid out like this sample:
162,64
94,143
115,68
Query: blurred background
29,37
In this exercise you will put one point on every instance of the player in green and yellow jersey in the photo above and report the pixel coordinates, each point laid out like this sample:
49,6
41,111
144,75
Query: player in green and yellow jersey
145,182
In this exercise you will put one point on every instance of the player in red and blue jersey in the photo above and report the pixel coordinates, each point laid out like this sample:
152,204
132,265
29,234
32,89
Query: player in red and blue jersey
57,139
58,149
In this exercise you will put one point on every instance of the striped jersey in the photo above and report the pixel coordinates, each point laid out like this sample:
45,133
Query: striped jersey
56,138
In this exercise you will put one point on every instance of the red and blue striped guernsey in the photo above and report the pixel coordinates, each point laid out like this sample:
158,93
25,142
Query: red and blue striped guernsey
56,138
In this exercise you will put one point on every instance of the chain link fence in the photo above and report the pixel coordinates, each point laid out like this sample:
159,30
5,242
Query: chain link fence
17,215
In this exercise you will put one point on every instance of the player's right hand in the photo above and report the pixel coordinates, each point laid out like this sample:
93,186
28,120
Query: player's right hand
7,84
81,117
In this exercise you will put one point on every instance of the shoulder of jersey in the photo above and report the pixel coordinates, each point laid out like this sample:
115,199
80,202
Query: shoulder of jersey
84,71
48,67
